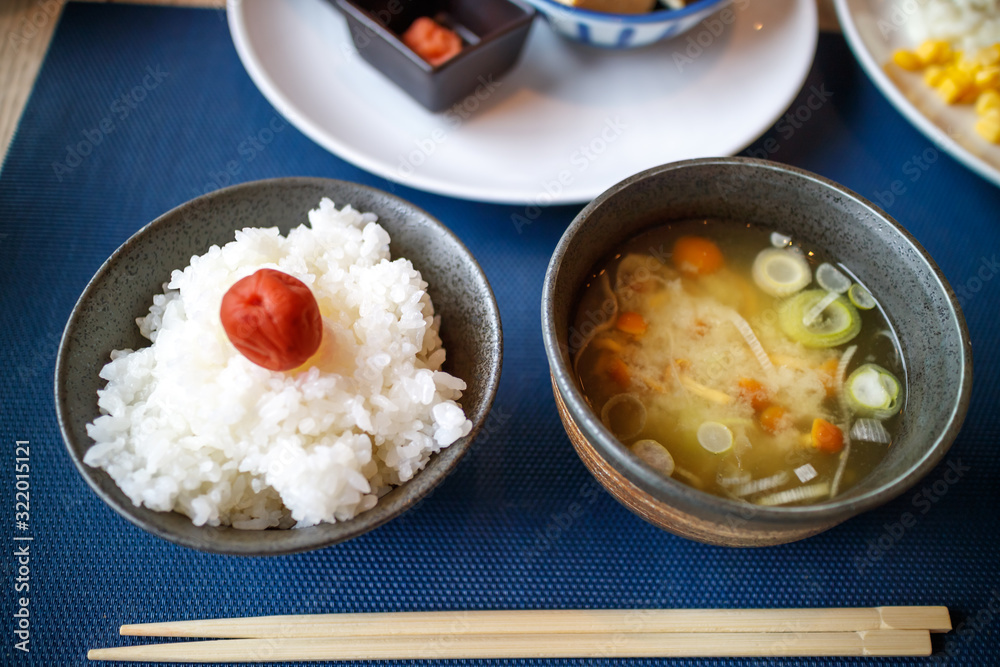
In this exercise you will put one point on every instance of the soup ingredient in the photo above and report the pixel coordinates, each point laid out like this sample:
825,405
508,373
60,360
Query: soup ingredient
697,255
831,279
190,424
632,323
432,41
779,240
715,437
870,430
860,297
806,473
624,415
796,495
826,437
774,418
835,324
873,391
655,455
272,319
781,272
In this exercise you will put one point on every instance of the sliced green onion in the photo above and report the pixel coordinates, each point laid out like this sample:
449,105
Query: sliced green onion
796,495
760,485
870,430
872,391
740,477
624,415
805,473
831,279
817,309
715,437
861,297
779,240
836,324
752,341
655,456
781,272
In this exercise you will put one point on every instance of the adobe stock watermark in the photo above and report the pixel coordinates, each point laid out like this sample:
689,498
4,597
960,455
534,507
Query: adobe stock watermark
899,13
987,269
425,147
561,522
579,162
32,23
914,169
922,502
246,152
972,627
792,122
711,29
119,110
362,35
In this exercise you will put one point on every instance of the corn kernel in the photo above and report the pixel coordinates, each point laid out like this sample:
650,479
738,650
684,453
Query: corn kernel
988,126
951,88
989,56
970,67
988,99
968,96
933,75
988,77
934,51
907,60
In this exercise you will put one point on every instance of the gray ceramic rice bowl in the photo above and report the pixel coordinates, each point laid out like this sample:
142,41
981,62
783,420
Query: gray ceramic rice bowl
122,290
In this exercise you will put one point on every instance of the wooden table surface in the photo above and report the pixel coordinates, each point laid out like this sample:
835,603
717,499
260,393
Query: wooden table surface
26,28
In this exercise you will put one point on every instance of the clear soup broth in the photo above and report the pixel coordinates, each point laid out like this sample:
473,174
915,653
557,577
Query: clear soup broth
737,361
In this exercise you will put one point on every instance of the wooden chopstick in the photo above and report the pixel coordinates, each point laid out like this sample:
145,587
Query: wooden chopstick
558,621
604,645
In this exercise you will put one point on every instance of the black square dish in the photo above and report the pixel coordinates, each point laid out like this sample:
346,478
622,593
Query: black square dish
492,32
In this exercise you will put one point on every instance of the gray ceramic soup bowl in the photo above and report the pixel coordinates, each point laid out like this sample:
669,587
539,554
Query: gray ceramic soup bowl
919,303
122,290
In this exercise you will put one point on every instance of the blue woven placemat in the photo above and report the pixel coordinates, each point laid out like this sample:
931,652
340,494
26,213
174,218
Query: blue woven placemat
160,104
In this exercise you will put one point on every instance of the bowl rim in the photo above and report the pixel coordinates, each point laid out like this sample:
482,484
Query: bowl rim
653,17
364,522
667,489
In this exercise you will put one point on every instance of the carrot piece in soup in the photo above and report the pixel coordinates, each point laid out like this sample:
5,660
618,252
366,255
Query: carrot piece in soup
827,437
774,418
697,255
631,322
619,372
754,393
432,41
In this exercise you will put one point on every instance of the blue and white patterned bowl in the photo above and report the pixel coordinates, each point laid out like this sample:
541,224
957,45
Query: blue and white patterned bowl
624,31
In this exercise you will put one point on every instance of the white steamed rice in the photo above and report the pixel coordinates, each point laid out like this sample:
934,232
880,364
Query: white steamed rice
189,424
968,25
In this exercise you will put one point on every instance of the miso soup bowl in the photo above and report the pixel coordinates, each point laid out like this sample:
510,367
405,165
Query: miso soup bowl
919,303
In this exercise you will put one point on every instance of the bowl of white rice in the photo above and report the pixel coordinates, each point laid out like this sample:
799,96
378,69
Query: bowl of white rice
184,436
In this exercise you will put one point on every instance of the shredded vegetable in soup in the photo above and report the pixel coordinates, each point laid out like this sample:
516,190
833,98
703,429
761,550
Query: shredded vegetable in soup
739,362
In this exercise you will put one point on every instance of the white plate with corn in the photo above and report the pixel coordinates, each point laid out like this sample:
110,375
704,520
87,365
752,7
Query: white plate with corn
947,88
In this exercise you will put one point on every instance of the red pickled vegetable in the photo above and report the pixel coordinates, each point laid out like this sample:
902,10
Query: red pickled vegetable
273,319
432,41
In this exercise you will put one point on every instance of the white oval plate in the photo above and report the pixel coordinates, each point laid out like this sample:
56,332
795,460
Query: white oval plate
565,124
876,28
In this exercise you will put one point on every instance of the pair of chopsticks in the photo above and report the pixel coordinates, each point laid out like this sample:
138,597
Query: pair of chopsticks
604,633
